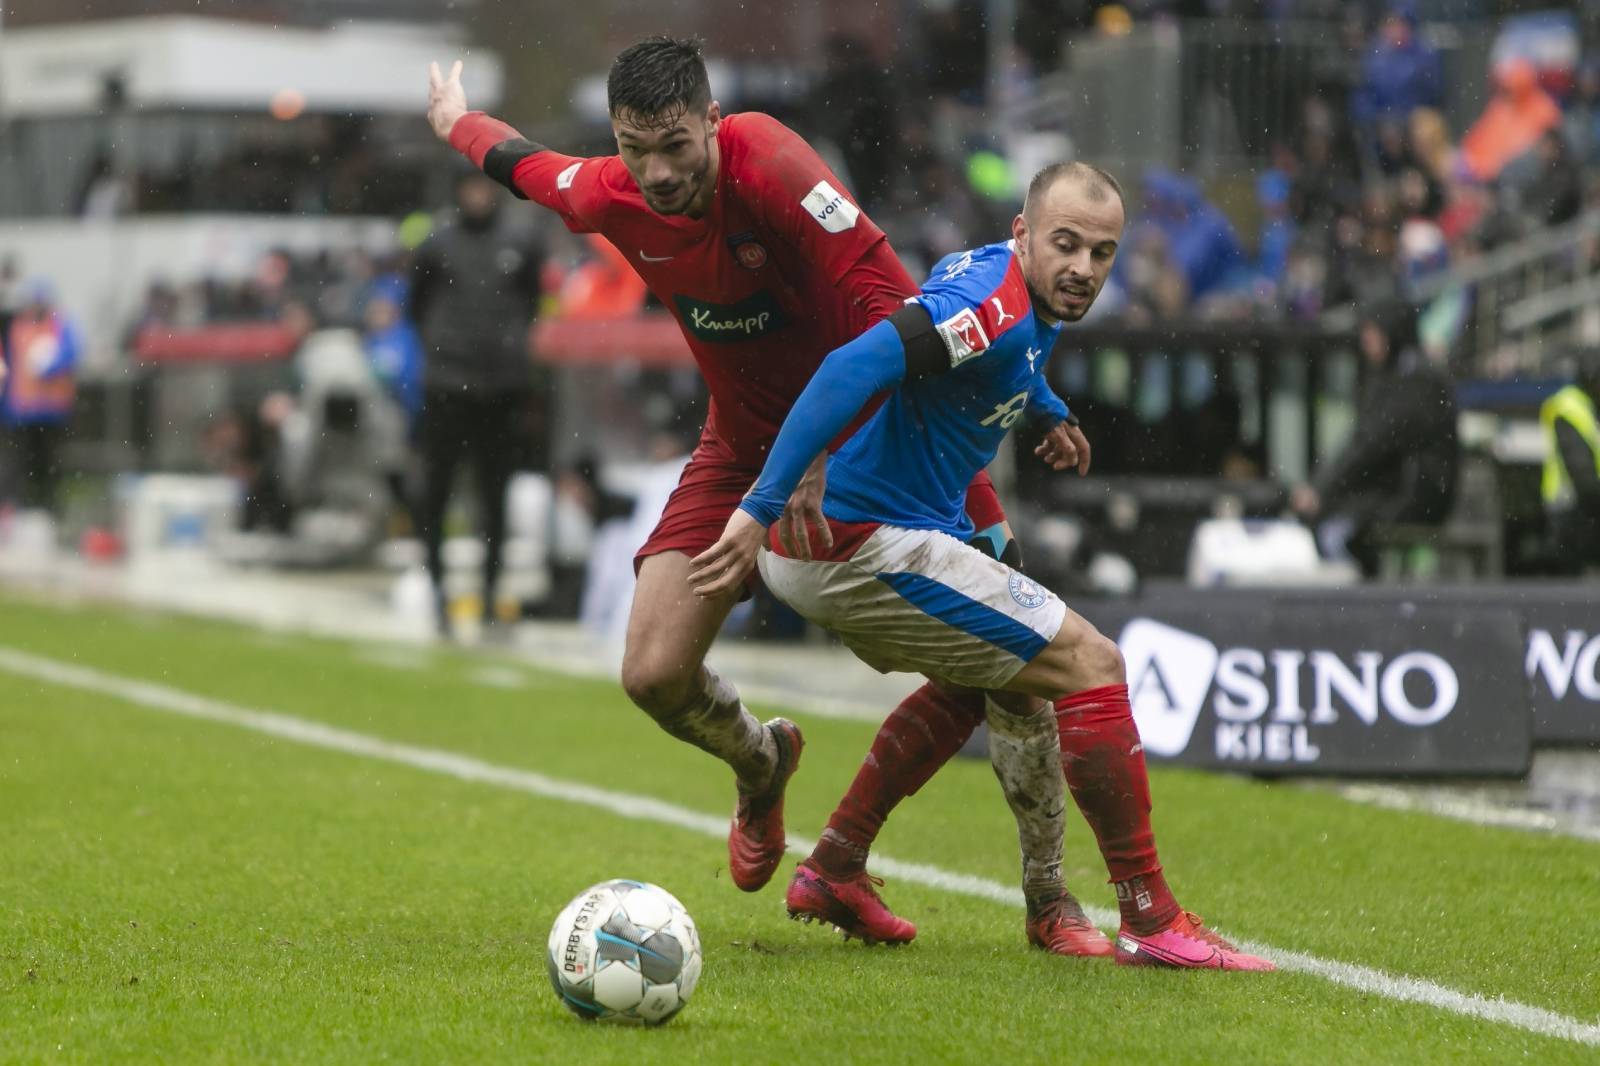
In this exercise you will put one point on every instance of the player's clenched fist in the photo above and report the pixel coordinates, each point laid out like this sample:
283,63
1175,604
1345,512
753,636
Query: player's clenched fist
446,99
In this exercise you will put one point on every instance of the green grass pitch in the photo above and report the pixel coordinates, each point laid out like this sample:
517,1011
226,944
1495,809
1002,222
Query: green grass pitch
183,891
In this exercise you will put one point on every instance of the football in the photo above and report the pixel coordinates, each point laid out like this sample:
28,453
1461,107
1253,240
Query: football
624,951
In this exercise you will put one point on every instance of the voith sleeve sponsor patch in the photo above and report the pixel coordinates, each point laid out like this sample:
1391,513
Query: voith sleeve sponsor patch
830,208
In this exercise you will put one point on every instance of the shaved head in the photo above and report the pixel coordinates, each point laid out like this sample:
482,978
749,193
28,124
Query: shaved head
1067,236
1096,185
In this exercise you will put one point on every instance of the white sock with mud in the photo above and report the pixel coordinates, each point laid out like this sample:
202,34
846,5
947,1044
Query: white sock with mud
717,721
1025,751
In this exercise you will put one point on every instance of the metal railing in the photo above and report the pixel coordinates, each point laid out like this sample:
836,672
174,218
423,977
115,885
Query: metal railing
1531,301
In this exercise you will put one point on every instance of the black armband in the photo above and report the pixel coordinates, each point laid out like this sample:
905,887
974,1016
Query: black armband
926,354
501,161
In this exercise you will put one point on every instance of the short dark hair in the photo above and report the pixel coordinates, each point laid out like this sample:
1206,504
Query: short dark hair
658,81
1097,182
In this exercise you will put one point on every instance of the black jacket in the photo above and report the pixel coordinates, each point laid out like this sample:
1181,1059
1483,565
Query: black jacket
1400,463
474,293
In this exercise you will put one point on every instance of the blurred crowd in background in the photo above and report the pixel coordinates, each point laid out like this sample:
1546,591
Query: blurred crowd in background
1370,193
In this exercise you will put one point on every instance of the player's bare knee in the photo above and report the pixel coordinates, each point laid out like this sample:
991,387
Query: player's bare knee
1102,661
655,686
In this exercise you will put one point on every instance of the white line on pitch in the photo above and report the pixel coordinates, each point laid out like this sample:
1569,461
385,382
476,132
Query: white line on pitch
315,734
1465,808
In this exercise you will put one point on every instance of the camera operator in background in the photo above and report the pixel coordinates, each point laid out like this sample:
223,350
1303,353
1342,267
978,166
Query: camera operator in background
475,288
1400,462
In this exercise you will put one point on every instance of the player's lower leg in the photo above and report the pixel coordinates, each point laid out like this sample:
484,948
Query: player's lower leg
1024,751
920,735
763,758
669,632
1103,760
714,719
1104,765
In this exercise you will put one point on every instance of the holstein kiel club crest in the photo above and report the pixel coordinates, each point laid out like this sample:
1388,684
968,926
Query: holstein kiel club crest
1025,592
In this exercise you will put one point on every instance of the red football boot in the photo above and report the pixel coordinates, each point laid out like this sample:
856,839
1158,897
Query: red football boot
852,905
1061,928
756,840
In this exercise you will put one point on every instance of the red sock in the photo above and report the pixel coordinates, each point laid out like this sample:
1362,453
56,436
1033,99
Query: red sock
918,737
1104,765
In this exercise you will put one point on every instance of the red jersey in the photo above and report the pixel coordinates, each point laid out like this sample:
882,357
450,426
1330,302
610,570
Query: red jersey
783,268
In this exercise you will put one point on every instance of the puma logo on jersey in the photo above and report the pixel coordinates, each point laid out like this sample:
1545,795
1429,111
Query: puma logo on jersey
1007,413
1033,353
1001,314
653,258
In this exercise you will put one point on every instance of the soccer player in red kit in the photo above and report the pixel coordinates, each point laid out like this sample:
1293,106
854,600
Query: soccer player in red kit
753,244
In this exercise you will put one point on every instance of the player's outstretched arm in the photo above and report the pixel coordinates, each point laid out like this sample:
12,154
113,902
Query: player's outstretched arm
531,171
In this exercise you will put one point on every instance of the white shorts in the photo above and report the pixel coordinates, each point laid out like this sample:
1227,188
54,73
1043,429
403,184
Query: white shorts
925,603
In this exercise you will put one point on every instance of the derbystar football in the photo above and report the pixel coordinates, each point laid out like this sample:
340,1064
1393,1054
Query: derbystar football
624,951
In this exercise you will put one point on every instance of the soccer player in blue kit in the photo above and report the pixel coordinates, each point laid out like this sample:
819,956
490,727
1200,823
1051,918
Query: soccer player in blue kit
901,585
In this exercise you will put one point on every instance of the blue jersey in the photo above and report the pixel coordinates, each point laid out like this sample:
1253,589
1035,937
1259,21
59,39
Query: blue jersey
912,461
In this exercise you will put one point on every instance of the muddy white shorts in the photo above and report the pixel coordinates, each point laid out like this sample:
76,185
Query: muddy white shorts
922,602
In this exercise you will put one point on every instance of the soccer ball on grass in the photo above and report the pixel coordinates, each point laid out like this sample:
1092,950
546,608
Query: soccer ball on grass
624,951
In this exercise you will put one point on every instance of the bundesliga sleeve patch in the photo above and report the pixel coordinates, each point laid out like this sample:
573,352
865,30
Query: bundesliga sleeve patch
963,335
564,179
829,207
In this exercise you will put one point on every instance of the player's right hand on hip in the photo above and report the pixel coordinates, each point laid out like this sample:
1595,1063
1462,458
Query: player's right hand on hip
447,101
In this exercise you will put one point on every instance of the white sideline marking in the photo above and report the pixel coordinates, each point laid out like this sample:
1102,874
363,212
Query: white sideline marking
1477,811
301,731
491,676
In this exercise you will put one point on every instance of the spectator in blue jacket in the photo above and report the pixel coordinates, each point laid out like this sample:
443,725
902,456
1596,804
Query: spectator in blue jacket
393,347
394,351
1399,75
1277,228
40,352
1199,236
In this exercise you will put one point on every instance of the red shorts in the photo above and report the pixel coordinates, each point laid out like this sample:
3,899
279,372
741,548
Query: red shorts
710,488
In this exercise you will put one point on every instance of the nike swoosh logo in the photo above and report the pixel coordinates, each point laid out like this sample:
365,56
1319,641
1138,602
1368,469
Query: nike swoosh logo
1174,949
654,258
